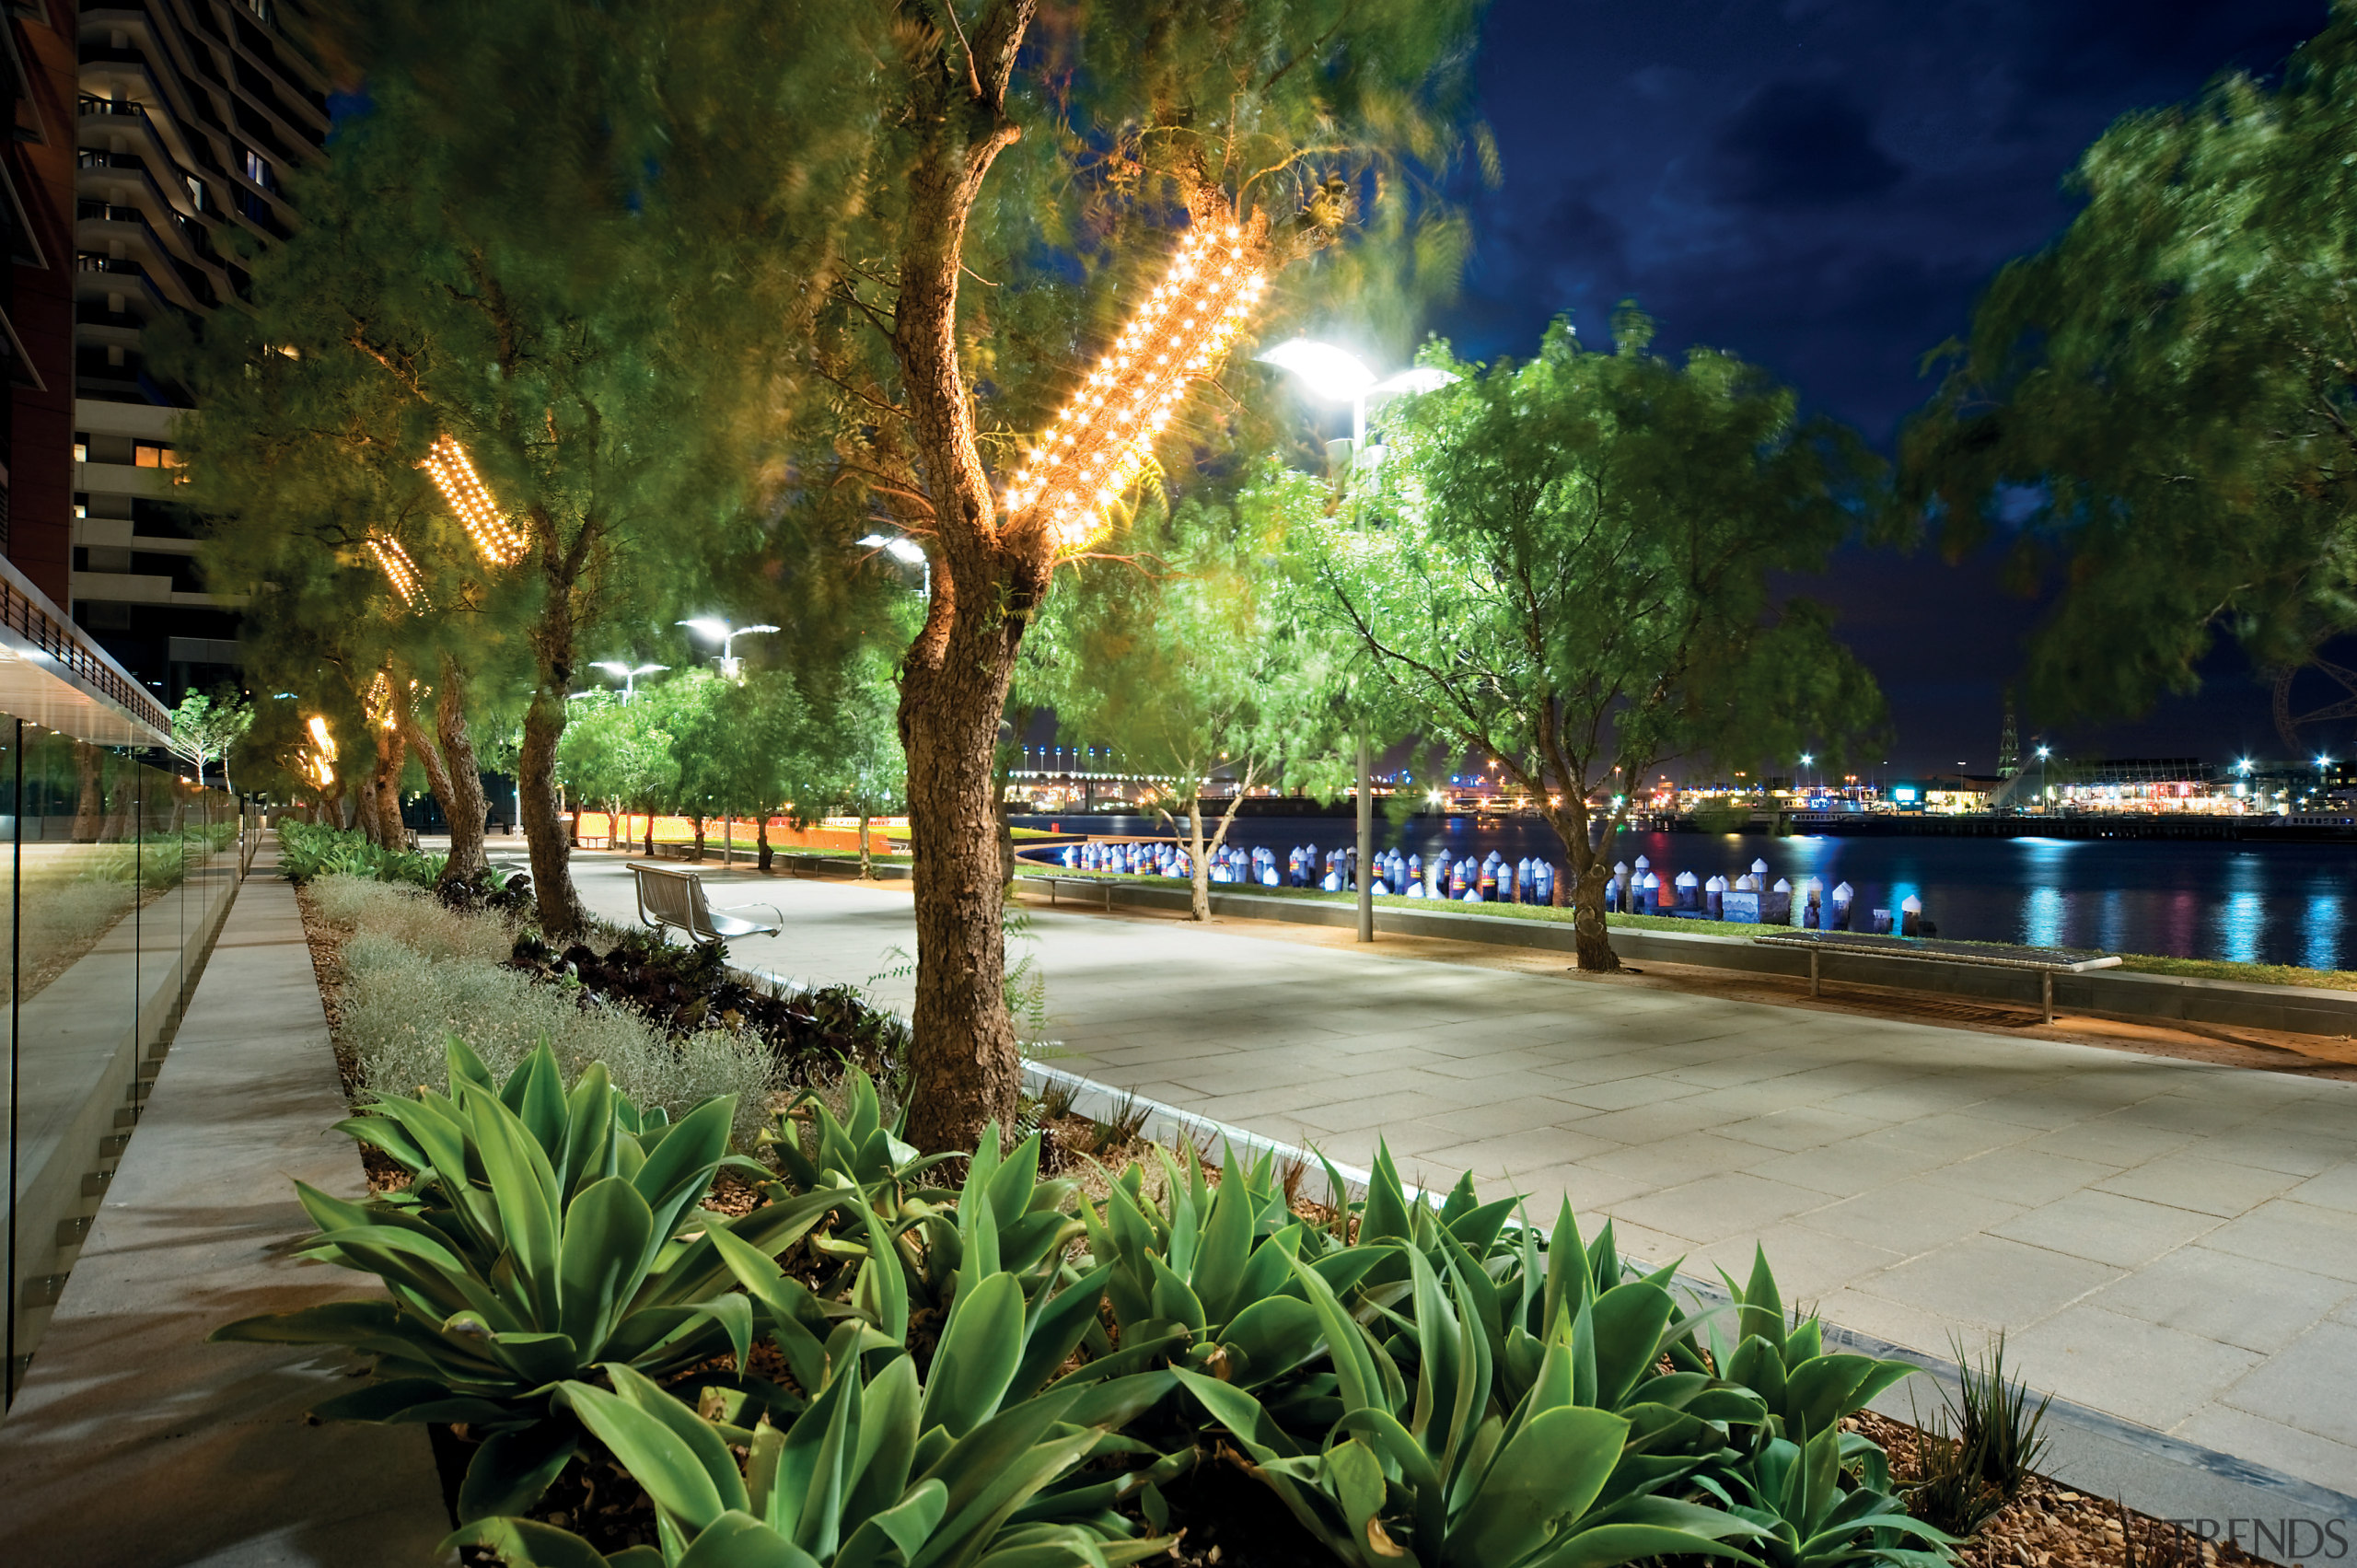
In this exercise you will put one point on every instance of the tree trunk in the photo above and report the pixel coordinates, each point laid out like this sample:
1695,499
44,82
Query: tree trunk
989,576
728,838
1586,870
1199,870
560,905
867,865
964,1068
464,805
650,833
697,855
90,807
448,758
761,840
392,750
364,813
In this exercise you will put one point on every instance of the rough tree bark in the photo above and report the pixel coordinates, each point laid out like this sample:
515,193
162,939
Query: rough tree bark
988,576
448,758
553,636
558,905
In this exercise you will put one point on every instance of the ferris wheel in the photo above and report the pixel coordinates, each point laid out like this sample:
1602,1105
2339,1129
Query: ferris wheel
2334,698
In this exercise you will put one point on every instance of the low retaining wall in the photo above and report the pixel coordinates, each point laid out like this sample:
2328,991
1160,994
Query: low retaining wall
2114,994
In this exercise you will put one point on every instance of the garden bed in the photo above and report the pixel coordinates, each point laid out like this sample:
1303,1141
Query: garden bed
949,1267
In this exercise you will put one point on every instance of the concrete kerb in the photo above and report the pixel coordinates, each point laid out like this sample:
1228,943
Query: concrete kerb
2110,993
2096,1453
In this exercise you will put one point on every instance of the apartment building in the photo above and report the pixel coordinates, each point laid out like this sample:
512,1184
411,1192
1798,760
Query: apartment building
189,116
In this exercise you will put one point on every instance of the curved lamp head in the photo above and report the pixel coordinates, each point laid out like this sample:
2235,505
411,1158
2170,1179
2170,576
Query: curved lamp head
708,626
1333,374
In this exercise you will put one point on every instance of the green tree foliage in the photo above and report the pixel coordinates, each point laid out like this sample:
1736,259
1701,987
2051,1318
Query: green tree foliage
955,144
698,283
206,725
2160,404
1572,564
1187,658
621,755
506,248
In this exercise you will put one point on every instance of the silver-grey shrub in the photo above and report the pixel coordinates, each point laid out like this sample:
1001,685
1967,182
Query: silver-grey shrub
415,973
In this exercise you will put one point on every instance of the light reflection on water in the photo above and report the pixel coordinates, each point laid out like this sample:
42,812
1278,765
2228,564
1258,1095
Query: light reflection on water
2258,904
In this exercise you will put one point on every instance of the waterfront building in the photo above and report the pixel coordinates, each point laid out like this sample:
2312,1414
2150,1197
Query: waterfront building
191,115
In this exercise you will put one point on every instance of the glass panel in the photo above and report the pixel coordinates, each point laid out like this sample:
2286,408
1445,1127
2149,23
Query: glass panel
117,875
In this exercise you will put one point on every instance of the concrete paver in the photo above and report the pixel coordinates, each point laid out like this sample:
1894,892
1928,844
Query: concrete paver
2171,1242
133,1442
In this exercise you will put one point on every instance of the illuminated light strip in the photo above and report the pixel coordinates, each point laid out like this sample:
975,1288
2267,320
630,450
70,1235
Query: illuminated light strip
398,569
1103,436
380,701
322,757
454,477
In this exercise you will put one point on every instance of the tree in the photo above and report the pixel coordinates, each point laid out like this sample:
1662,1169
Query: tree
816,184
983,139
508,269
621,753
2161,406
205,725
1189,662
859,744
1571,564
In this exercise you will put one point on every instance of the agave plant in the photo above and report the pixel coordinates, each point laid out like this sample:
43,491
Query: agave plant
1807,1389
881,1469
1443,1474
1811,1516
512,1270
857,1149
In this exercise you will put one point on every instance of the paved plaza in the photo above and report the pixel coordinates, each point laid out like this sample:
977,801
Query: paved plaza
2166,1241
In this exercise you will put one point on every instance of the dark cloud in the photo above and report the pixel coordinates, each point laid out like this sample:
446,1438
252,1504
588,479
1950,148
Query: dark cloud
1800,144
1825,188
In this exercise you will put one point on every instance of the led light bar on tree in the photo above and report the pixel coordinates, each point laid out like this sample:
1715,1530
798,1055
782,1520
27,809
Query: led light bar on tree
319,764
398,569
380,701
454,477
1104,438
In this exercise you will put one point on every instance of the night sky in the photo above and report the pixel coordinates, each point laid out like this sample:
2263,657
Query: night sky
1823,187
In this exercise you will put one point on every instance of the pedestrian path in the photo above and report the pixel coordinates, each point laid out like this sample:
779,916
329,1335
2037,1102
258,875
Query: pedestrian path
2170,1242
133,1442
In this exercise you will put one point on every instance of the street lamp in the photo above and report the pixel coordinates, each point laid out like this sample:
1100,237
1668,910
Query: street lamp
628,674
904,550
719,631
1338,376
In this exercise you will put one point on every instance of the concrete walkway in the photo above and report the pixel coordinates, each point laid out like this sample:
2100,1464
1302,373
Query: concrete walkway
132,1440
2169,1242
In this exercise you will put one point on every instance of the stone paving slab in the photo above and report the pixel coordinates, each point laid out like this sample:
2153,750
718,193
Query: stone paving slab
2170,1242
132,1440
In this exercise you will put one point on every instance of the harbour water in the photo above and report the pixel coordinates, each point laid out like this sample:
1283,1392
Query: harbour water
2251,902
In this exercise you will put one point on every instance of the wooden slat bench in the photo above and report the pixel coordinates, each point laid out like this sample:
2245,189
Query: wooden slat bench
2047,961
675,899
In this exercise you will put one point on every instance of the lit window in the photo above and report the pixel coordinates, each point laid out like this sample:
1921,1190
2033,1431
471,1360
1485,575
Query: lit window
82,451
153,455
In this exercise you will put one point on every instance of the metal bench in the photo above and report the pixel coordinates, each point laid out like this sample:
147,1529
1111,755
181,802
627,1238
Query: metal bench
675,898
2047,961
1101,887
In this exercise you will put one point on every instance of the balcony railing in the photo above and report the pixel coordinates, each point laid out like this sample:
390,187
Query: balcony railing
116,106
89,261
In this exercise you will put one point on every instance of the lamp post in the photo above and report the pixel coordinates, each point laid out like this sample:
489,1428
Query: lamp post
1337,375
904,550
719,631
627,674
2043,752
